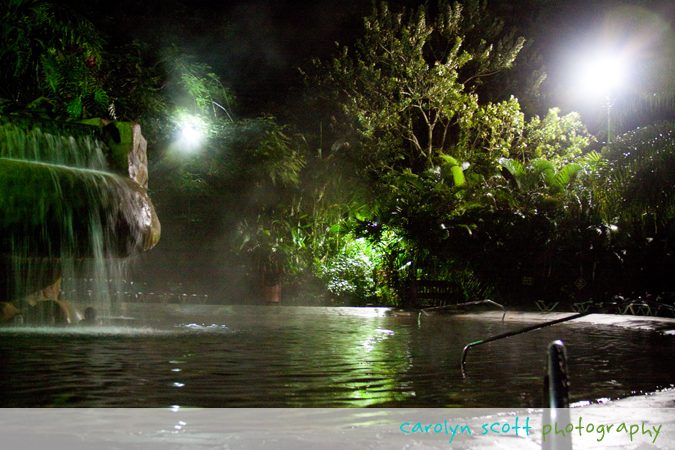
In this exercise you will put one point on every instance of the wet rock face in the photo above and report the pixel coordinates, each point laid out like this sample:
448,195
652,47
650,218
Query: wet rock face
47,312
128,151
42,313
8,312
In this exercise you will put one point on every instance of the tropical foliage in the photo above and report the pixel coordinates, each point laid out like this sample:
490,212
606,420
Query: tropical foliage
407,85
417,177
470,188
50,51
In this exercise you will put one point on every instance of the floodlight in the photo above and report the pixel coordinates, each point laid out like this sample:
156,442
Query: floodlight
190,135
604,74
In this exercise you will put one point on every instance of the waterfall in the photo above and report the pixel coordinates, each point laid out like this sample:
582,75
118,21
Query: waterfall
72,145
64,219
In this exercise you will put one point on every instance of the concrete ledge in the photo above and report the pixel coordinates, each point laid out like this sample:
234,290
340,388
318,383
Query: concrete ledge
662,324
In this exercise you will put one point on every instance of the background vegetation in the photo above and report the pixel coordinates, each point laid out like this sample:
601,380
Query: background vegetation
423,150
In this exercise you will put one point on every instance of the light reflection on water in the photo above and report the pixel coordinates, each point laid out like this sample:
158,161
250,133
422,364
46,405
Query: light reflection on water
319,357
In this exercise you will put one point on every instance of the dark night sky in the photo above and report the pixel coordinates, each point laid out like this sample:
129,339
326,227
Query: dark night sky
254,46
257,46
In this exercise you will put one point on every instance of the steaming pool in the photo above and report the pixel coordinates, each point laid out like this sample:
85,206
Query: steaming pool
248,356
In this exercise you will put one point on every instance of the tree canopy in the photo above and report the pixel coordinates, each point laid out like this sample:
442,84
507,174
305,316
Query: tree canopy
467,186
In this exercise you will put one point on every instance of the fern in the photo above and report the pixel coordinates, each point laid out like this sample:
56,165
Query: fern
200,88
640,170
72,86
34,35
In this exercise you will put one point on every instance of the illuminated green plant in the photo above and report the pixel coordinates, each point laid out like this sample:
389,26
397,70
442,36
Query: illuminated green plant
351,274
195,90
408,84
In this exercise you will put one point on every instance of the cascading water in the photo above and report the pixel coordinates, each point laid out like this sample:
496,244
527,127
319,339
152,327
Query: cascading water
61,143
64,216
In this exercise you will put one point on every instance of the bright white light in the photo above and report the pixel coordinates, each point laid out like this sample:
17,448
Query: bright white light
190,134
604,74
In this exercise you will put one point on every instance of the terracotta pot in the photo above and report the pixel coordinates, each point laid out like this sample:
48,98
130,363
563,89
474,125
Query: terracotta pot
272,294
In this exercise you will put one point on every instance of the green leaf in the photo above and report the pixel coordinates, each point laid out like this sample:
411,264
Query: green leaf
567,174
74,108
450,160
458,176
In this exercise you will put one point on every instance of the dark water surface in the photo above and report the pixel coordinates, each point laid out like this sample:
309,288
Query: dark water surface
319,357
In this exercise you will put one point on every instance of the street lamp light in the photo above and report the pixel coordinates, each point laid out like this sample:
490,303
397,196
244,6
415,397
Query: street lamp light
604,74
190,134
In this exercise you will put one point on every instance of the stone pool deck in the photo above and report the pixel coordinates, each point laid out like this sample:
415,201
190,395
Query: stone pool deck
625,424
664,325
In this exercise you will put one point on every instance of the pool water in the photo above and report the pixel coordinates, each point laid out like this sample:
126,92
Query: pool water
318,357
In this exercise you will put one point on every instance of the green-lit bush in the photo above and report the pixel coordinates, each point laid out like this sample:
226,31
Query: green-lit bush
349,275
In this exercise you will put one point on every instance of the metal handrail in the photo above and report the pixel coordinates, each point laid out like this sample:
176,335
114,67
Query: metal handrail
532,328
648,302
477,302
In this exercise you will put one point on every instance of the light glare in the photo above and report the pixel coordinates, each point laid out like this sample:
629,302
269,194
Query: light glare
190,134
604,74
